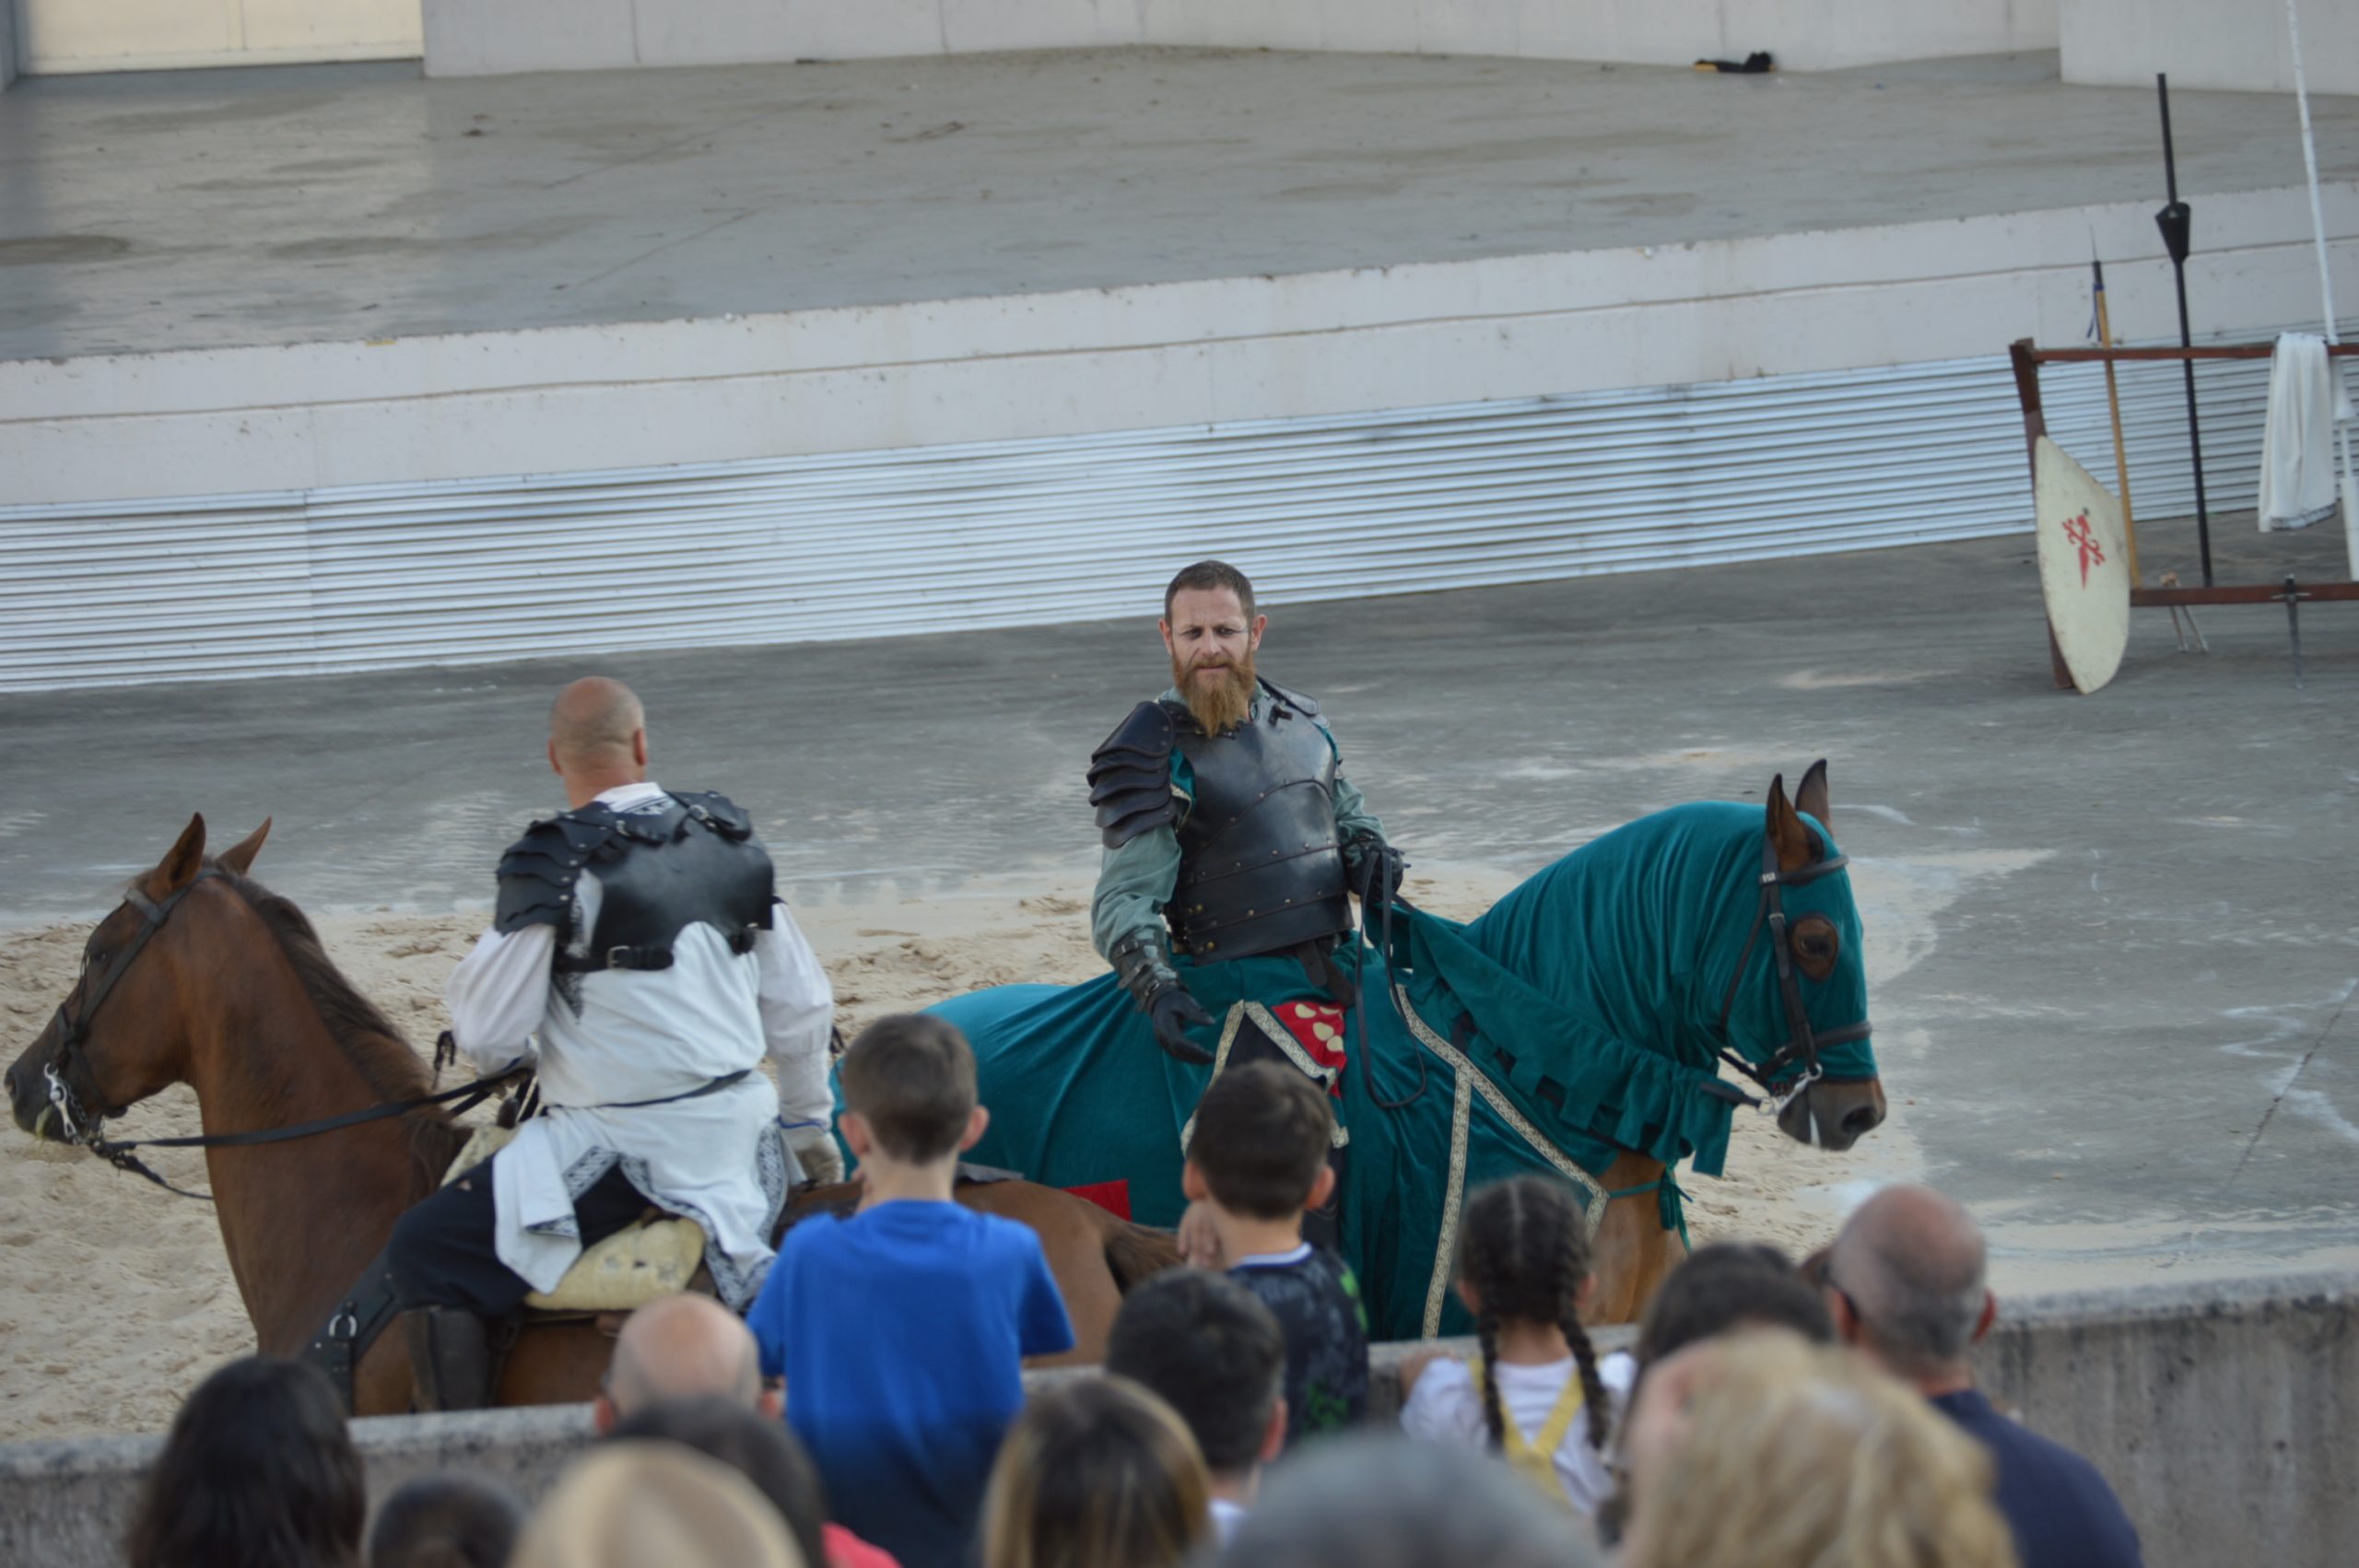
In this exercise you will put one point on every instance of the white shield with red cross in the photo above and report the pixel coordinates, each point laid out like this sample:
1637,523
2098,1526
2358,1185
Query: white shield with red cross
2084,567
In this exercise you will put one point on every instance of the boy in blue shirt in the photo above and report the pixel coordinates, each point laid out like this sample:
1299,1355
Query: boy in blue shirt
901,1330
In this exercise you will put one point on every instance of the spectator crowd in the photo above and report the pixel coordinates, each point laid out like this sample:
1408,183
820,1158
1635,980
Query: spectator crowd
871,1409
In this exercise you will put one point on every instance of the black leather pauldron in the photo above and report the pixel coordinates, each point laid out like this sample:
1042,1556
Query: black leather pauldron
1130,777
658,872
537,874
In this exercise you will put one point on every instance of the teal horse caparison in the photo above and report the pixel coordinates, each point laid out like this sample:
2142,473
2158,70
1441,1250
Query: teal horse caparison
1580,1016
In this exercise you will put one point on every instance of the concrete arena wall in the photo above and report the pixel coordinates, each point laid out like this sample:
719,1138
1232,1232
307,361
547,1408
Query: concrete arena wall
564,399
491,37
2240,45
2222,1414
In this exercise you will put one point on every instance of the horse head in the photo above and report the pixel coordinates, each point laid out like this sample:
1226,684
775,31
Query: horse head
1804,1028
120,1034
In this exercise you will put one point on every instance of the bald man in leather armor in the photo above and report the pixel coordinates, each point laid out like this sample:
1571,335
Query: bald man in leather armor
640,961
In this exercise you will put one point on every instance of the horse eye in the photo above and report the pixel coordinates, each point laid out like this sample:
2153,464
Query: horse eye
1816,946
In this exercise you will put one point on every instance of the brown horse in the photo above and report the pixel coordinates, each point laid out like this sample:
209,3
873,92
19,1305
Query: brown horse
1632,1250
234,996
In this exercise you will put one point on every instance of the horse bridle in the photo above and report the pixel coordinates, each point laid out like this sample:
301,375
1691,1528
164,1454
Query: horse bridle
1780,1082
79,1126
73,1031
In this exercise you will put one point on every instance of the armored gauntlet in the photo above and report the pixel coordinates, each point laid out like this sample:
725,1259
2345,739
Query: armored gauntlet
1146,973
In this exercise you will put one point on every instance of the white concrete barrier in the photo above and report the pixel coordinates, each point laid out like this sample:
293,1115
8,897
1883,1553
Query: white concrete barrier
556,400
2222,1413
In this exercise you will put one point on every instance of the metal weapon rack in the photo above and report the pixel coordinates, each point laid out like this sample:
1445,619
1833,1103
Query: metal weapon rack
2028,361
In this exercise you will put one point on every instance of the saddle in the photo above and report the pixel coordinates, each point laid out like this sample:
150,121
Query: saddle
658,1255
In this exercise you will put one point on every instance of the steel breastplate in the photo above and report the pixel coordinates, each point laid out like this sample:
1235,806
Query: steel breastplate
1260,870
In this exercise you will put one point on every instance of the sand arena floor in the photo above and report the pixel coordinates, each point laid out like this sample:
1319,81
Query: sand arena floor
117,1298
2110,941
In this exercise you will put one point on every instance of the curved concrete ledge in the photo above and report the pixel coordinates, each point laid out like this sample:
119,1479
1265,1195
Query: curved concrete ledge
2220,1410
482,37
233,423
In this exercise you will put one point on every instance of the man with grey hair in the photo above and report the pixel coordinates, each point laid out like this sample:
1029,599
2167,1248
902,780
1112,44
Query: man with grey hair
1907,1288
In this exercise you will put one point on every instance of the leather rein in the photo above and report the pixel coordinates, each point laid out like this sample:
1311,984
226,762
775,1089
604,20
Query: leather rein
79,1126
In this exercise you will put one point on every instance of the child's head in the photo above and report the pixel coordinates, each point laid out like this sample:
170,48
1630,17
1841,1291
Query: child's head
908,1088
1096,1472
449,1520
1209,1348
1524,1258
1259,1148
1730,1285
1718,1288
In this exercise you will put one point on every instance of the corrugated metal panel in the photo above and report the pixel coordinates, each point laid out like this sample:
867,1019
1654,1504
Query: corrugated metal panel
1017,533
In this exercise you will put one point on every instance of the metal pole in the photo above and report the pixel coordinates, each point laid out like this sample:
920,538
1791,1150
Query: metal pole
2173,220
2349,488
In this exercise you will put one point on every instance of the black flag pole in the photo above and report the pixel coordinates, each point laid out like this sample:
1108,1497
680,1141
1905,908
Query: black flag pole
2173,220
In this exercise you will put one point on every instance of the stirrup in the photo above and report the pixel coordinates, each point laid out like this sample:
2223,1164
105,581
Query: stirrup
450,1359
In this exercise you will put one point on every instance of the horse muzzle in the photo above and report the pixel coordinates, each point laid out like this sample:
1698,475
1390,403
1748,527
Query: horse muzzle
28,1099
1833,1115
35,1089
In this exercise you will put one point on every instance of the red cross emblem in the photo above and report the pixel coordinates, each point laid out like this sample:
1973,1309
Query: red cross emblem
2076,529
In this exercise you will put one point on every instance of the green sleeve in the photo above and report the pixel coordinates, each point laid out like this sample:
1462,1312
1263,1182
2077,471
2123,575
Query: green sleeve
1133,884
1352,817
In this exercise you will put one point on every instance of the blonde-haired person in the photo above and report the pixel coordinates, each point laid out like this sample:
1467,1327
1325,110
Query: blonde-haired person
632,1505
1760,1451
1097,1473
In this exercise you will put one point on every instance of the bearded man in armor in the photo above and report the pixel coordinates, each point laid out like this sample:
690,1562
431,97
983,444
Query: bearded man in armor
1230,831
640,961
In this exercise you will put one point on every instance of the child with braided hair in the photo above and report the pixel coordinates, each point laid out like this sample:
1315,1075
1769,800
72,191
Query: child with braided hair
1535,1393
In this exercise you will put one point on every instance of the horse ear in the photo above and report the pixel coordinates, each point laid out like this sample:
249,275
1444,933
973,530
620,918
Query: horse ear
1786,830
180,863
1810,799
240,857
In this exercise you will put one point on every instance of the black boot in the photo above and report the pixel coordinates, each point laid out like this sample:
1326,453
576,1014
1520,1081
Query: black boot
450,1357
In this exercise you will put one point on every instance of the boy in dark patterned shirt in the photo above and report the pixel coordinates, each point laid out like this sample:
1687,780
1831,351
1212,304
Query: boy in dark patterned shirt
1256,1160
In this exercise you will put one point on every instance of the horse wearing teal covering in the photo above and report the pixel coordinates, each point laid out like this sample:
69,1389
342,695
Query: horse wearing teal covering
1580,1021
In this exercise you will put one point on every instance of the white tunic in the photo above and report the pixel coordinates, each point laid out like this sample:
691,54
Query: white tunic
1447,1406
645,1035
